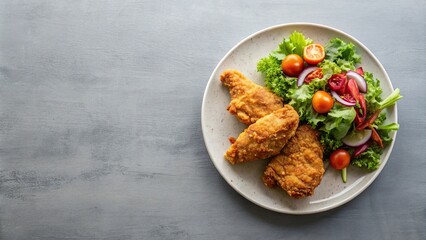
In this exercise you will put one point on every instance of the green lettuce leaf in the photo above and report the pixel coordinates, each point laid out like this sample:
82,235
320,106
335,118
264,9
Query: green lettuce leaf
379,120
329,68
274,78
374,92
339,121
390,127
342,53
294,44
330,143
301,100
370,159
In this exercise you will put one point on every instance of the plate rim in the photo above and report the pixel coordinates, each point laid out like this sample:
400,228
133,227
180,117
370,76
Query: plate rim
336,204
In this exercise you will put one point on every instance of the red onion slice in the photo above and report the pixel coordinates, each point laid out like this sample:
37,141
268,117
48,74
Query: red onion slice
360,149
360,81
341,100
357,138
304,74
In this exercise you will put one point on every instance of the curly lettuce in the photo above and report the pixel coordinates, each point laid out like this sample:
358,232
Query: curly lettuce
274,78
342,53
329,68
370,159
373,95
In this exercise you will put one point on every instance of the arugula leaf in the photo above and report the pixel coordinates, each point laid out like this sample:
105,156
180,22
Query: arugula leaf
294,44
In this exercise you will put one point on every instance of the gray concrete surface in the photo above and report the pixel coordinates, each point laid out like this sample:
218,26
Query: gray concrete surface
100,134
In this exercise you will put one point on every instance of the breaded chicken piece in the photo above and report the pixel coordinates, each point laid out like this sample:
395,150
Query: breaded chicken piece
305,137
265,138
299,168
249,101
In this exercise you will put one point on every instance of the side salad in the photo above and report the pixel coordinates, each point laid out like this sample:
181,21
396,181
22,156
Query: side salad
332,93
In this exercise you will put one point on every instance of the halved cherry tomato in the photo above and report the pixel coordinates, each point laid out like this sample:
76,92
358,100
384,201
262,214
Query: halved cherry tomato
315,74
340,159
313,53
292,65
322,102
336,82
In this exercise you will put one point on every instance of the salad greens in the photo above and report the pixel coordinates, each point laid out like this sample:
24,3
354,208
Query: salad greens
274,78
342,53
373,95
340,57
294,44
370,159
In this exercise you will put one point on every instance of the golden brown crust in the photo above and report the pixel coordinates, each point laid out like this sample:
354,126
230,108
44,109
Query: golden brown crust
305,137
265,138
249,101
299,168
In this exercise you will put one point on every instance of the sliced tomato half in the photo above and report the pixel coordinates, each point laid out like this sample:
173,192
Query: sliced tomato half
313,53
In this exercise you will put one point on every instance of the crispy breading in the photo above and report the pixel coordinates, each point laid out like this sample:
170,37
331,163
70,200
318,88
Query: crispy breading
265,138
249,101
305,137
299,168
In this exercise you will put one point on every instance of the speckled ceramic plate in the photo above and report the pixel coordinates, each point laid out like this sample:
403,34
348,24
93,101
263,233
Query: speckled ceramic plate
218,124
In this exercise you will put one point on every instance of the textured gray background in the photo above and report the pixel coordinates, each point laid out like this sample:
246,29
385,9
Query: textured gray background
100,133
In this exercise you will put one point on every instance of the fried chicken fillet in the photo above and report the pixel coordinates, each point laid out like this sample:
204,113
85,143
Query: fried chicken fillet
264,138
249,101
299,168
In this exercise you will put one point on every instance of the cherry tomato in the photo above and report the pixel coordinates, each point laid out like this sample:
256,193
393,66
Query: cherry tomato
340,159
337,82
322,102
315,74
313,53
292,65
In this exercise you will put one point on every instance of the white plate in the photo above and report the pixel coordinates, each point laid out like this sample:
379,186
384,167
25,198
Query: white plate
218,124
